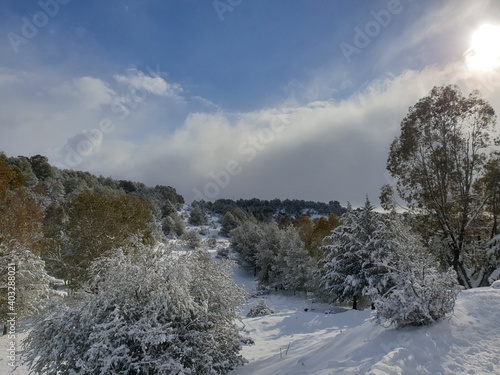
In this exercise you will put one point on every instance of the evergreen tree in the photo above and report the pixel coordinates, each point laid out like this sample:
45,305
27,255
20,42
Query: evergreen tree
404,282
269,257
197,217
297,264
245,241
229,222
347,259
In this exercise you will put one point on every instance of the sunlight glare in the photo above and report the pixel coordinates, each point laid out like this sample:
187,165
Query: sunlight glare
484,52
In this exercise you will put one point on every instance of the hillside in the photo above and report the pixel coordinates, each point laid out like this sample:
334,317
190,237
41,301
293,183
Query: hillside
295,342
316,342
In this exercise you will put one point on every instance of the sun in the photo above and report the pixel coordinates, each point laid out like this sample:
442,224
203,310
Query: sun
484,51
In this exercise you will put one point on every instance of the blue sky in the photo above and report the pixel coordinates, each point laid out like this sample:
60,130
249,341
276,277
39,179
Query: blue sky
185,86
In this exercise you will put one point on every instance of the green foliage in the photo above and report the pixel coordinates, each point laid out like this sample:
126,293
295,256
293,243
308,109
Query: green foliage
197,217
98,223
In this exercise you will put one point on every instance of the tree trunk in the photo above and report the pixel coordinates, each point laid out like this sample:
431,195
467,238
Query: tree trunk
354,304
4,328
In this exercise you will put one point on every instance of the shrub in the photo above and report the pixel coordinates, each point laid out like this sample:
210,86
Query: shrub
192,239
421,299
261,309
150,313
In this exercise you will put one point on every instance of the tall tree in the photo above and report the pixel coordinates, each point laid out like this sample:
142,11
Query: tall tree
98,223
437,159
296,262
344,272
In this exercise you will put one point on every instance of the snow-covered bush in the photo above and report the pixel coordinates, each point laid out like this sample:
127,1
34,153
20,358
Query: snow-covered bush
191,239
405,284
260,309
31,283
421,298
211,242
150,312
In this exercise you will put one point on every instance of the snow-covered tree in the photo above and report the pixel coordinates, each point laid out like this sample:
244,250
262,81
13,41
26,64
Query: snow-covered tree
405,281
26,276
150,312
228,223
347,259
245,241
192,239
437,162
297,264
197,217
269,257
173,224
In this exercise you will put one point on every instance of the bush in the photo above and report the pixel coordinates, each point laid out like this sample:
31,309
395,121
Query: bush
149,313
403,282
192,239
212,242
421,299
223,252
197,217
261,309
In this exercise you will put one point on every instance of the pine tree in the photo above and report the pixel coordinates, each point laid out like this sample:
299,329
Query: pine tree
245,241
197,217
347,259
297,264
269,257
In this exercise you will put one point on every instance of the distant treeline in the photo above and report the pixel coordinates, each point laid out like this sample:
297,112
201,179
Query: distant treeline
264,210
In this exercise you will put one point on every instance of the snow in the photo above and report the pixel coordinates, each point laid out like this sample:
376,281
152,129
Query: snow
293,341
303,337
496,285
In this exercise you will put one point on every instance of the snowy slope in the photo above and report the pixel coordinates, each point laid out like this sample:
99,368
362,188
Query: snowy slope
349,342
293,341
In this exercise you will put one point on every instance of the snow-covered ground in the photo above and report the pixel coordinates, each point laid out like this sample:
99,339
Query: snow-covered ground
293,341
318,341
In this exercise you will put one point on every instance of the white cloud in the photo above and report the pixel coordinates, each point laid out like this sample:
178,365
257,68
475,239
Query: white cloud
321,150
91,93
155,85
